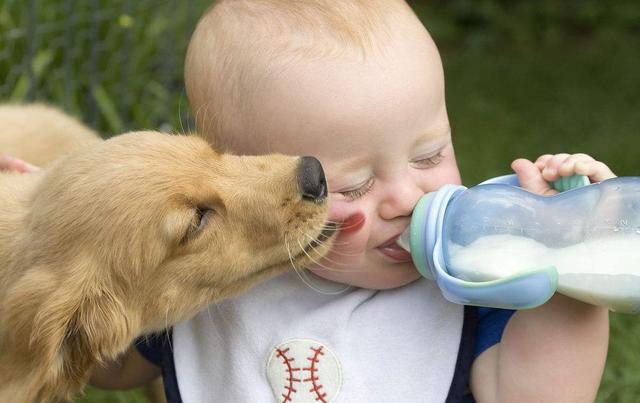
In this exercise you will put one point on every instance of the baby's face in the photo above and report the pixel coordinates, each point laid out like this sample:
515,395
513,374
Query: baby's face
380,129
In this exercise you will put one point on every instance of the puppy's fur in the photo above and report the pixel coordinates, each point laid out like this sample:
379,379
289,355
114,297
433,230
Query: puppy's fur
127,236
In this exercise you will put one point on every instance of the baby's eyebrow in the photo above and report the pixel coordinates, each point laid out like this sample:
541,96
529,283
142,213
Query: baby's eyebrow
442,133
352,164
344,172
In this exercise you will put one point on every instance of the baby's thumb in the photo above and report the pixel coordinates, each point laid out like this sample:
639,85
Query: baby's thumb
530,177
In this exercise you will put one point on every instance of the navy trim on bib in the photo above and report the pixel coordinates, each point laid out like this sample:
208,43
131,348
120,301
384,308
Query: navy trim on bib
158,349
169,377
459,391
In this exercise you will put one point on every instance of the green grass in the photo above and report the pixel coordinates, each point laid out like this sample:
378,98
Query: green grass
511,93
93,395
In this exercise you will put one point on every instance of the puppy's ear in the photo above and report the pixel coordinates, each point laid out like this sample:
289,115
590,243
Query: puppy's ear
101,327
64,326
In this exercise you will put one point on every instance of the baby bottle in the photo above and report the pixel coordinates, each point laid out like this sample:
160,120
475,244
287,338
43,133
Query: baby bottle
499,245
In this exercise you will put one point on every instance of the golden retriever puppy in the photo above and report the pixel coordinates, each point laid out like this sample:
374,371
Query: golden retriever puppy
131,235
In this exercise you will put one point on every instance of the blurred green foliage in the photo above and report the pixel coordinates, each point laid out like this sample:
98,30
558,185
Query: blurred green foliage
508,104
523,78
496,24
115,63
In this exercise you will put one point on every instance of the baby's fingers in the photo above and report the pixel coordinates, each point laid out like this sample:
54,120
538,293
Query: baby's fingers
596,171
568,166
542,160
530,177
8,163
550,172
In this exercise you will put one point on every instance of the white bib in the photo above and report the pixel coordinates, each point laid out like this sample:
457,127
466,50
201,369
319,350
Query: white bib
284,342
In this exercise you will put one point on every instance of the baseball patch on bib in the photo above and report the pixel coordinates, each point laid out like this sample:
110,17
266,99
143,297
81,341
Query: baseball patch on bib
304,371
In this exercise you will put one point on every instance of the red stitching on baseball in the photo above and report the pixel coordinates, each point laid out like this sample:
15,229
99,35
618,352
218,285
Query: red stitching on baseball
290,370
313,377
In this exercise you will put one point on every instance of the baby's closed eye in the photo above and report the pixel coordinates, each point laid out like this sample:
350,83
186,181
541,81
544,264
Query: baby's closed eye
358,191
428,161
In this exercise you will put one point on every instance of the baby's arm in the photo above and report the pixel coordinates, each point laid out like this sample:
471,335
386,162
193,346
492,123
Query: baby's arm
556,352
129,371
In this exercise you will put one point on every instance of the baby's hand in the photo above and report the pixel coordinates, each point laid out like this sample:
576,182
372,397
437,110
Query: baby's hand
8,163
537,176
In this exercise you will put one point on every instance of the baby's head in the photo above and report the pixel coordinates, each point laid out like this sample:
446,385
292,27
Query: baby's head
359,85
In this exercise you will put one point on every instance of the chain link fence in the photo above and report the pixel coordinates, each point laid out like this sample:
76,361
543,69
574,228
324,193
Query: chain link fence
116,64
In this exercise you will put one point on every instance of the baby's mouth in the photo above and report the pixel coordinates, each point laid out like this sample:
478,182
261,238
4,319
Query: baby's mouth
392,250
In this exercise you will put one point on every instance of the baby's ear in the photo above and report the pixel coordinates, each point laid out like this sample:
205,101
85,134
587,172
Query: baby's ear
63,326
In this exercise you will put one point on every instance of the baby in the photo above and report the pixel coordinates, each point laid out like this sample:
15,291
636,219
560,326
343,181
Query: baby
359,85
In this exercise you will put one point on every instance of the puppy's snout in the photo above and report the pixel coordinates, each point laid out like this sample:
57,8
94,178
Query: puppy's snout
311,181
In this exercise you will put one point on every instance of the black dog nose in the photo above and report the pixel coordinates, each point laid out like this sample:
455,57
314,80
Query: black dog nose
311,181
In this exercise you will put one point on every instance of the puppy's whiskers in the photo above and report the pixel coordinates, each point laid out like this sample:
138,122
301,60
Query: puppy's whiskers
319,256
307,281
180,116
205,124
313,244
319,264
286,243
197,117
341,226
323,237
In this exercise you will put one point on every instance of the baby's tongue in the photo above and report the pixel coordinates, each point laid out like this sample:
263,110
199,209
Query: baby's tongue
352,223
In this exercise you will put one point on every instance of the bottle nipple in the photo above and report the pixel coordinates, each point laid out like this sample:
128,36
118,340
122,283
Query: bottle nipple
404,241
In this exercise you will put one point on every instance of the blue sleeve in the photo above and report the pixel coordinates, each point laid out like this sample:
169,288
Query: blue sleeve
150,347
491,324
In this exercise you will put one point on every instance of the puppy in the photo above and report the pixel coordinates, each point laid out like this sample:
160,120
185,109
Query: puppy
130,235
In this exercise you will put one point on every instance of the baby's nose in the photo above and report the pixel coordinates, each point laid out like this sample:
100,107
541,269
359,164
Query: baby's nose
399,199
311,181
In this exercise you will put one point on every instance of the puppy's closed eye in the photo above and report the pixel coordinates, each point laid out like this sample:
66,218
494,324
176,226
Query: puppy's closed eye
201,217
181,226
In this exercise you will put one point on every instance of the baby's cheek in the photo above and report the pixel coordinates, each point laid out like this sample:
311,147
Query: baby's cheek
444,174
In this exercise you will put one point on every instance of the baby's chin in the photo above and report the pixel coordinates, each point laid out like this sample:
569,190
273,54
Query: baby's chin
379,278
